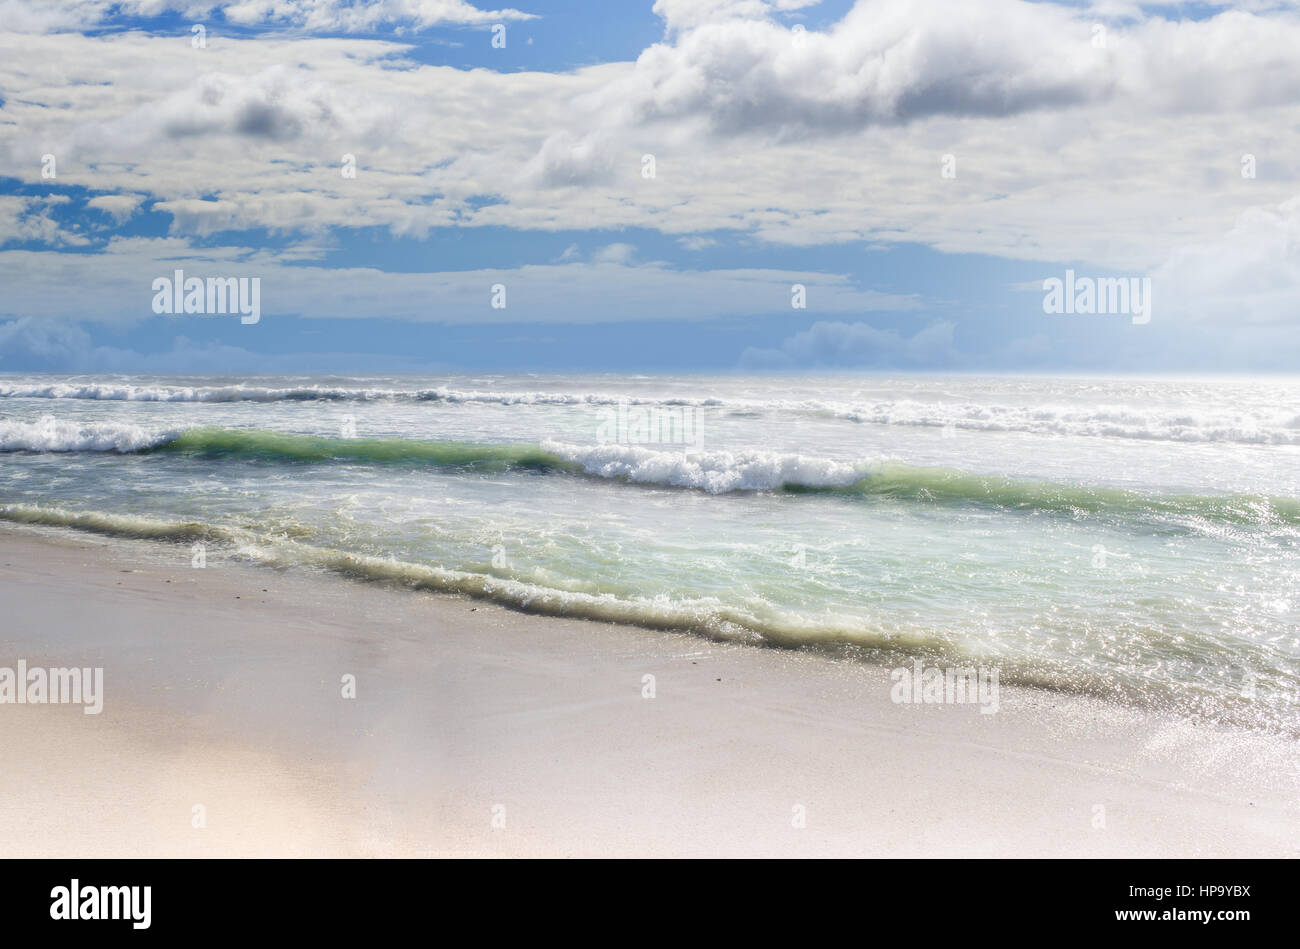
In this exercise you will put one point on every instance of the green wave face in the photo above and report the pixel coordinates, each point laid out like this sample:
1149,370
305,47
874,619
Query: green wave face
953,486
924,485
278,446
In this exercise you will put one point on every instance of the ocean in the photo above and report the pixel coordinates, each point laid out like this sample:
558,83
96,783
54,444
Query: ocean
1133,539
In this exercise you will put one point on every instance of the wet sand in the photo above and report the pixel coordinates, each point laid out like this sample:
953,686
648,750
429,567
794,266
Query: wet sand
480,731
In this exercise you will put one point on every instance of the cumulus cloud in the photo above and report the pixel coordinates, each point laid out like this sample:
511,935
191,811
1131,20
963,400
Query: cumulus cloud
29,218
566,159
277,105
887,61
1123,155
617,253
118,206
12,209
736,71
1248,278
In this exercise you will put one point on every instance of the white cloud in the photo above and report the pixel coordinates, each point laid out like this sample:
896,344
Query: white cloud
683,14
326,16
887,61
115,286
1249,278
616,253
1119,157
119,206
28,218
351,17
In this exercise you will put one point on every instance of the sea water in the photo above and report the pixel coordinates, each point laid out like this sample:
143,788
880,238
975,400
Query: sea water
1138,539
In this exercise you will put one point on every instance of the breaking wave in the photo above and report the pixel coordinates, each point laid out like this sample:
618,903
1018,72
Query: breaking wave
716,472
1153,423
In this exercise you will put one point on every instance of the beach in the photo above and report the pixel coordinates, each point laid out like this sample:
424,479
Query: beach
739,429
477,730
1130,539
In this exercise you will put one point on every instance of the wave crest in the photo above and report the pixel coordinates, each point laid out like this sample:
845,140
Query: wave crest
713,472
56,435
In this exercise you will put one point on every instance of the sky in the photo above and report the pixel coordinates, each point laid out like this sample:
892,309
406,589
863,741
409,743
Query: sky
678,186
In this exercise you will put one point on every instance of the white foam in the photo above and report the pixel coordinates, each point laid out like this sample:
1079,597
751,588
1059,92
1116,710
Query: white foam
242,393
1152,424
160,393
55,435
1147,422
716,472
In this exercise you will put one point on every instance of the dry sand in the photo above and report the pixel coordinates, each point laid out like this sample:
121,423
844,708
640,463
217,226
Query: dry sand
223,689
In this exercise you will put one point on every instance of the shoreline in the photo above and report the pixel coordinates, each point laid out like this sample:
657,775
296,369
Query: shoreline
527,598
223,689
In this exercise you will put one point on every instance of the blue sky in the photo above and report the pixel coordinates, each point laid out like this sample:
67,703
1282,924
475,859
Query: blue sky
920,170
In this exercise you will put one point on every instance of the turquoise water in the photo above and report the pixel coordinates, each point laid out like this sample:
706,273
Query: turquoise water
1138,539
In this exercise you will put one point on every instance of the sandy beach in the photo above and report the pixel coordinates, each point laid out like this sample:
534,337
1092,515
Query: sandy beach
480,731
